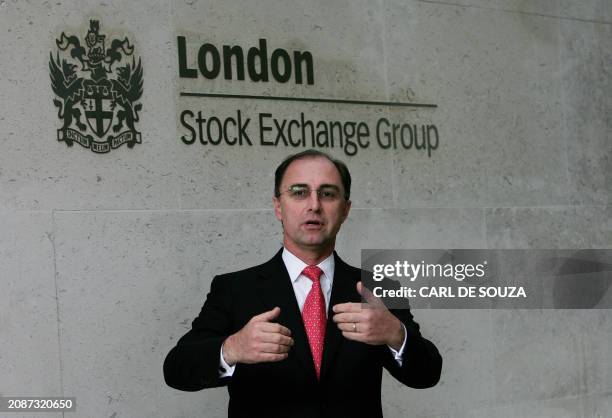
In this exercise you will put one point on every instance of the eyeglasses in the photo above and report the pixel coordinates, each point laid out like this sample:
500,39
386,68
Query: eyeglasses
303,192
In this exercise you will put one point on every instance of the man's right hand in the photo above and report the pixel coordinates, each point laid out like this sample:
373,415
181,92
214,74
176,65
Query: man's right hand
258,341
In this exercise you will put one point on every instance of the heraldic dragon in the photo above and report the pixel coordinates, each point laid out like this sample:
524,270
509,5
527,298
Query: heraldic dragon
98,98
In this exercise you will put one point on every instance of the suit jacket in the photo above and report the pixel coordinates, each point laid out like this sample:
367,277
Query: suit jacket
351,372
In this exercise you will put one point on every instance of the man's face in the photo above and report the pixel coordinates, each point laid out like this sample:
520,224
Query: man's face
311,223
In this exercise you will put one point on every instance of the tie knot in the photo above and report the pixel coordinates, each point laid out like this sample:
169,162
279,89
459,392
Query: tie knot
313,273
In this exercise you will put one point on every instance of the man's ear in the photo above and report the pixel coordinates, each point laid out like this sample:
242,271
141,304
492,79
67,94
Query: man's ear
278,210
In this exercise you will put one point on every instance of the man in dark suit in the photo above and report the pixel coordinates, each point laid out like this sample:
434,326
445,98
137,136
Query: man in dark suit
290,337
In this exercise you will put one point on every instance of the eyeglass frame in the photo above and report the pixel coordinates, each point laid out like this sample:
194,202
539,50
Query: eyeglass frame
308,189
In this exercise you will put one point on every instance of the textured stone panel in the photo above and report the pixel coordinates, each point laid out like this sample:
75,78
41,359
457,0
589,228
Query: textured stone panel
463,338
536,354
29,349
569,227
130,284
587,71
588,10
37,171
495,79
596,405
410,228
595,10
594,351
542,7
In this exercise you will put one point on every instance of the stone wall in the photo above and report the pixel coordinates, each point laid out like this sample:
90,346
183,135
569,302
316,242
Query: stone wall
106,258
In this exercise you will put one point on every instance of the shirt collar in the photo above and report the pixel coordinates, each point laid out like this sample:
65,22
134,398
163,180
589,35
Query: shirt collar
295,266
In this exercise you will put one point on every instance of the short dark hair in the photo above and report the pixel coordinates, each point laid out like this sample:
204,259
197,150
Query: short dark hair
345,175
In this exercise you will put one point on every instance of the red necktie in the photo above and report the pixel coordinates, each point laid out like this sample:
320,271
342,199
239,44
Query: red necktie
313,316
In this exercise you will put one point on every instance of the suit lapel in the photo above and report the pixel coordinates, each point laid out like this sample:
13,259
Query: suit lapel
343,290
275,289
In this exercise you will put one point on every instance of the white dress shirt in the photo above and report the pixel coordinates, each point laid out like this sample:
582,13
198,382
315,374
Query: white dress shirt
301,287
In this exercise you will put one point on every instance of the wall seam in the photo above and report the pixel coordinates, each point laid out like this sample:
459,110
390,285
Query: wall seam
52,237
564,127
485,228
383,36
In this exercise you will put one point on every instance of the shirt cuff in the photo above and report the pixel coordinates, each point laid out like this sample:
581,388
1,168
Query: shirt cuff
397,355
225,370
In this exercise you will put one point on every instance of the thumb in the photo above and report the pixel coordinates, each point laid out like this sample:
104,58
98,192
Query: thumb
367,295
267,316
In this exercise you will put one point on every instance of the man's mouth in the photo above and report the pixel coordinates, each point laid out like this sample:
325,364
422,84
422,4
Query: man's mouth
313,224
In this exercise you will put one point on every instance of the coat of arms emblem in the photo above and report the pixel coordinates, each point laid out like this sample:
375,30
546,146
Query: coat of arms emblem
97,91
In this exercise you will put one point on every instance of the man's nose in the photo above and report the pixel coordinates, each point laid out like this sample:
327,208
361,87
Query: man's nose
314,201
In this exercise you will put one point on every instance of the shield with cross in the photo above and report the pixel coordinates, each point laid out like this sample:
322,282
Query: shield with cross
98,104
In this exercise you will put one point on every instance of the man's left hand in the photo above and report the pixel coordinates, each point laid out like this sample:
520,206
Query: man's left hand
369,322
